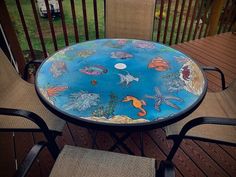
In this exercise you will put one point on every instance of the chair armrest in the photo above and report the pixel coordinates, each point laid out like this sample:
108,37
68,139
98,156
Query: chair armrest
53,148
26,69
206,120
196,122
29,159
210,68
26,114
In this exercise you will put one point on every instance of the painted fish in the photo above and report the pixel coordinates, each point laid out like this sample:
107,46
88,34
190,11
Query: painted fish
122,41
121,55
144,45
113,44
82,100
94,70
159,64
85,53
58,68
66,51
126,79
53,91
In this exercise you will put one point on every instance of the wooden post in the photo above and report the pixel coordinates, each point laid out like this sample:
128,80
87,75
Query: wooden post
215,16
10,33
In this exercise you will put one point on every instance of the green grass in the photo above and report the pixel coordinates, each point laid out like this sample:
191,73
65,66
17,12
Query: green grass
32,28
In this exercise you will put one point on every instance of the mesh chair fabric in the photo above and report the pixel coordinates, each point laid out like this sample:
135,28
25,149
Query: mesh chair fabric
219,104
17,94
81,162
129,19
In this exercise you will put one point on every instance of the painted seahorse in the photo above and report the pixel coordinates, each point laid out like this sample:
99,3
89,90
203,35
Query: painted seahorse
137,104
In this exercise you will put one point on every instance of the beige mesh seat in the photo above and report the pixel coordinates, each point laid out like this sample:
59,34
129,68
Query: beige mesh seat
81,162
15,93
129,19
214,120
220,104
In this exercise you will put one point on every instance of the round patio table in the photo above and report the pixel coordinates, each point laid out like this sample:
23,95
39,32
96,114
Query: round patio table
120,84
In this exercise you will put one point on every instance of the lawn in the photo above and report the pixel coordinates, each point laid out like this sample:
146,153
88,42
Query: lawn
31,25
30,22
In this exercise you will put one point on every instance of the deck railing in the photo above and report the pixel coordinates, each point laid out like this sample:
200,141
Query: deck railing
176,21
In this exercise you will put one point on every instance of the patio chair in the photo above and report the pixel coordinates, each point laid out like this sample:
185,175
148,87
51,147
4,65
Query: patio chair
213,121
83,162
15,93
129,19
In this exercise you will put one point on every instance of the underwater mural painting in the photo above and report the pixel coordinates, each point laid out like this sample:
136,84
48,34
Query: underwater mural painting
121,81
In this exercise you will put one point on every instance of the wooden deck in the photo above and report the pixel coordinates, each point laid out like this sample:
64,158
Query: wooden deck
194,158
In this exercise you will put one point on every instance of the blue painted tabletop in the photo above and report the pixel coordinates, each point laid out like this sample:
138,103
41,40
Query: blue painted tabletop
120,81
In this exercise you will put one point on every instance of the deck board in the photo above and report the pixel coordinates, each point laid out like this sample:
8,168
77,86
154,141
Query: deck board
194,158
7,157
223,159
183,163
44,158
23,143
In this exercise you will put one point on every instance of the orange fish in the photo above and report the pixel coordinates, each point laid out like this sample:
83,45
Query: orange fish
159,64
52,91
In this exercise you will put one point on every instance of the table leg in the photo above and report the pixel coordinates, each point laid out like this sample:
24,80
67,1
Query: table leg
141,144
119,141
93,134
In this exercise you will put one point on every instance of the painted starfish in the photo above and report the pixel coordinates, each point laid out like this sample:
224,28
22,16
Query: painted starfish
159,99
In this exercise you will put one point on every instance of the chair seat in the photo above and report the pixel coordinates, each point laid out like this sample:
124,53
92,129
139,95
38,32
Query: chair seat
22,95
16,93
219,104
81,162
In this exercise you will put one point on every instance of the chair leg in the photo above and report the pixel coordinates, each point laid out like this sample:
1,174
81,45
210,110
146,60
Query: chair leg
120,141
29,159
141,144
93,134
166,169
177,141
52,145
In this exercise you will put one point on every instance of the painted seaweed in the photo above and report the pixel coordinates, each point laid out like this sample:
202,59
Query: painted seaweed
108,110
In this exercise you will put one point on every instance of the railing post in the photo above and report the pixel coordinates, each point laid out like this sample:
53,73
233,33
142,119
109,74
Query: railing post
215,16
10,33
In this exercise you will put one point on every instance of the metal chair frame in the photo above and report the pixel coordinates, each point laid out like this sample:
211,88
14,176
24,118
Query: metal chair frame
165,168
200,121
32,155
196,122
25,77
50,135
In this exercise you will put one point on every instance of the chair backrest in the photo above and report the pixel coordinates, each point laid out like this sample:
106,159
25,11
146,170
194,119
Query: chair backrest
8,74
129,19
